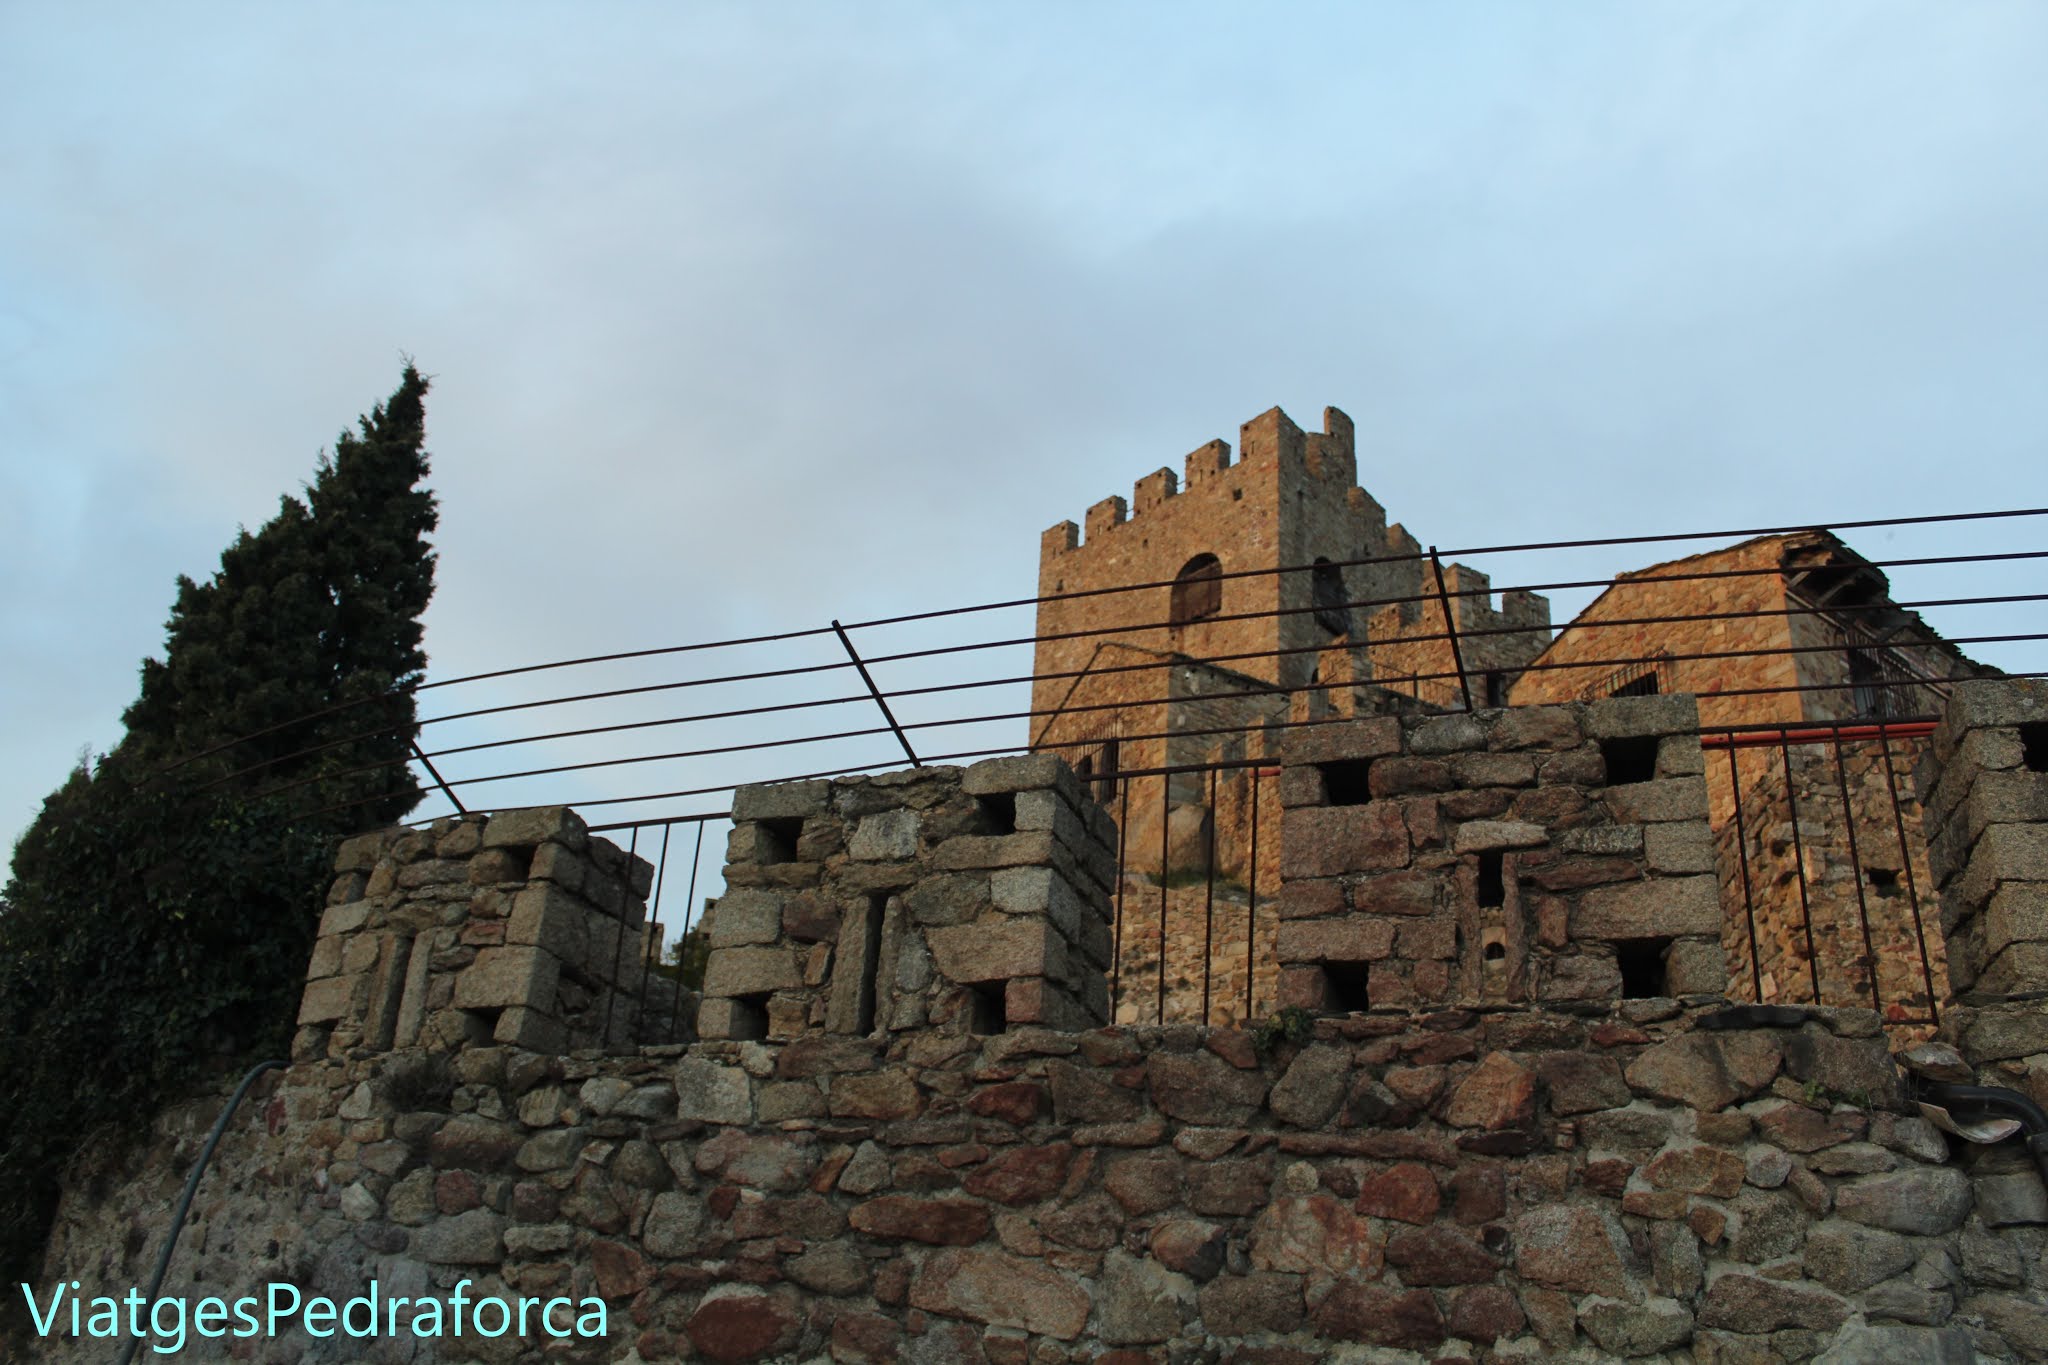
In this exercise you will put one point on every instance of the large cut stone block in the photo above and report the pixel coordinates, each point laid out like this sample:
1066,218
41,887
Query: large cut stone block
330,999
1638,717
1335,940
780,800
1660,907
541,824
546,916
733,972
746,915
509,976
996,949
1330,841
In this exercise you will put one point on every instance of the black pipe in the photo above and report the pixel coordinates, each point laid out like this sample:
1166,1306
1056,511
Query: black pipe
1997,1100
163,1260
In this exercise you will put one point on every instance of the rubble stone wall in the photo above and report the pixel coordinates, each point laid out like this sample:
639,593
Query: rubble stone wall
1512,1186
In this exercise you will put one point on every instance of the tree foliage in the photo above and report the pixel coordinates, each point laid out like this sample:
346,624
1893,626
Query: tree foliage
162,905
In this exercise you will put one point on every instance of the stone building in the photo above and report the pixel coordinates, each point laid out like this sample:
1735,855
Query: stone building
1169,641
1819,846
1188,630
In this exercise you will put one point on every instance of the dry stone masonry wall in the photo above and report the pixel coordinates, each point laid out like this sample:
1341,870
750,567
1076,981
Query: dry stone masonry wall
938,898
518,929
1518,1177
1509,1186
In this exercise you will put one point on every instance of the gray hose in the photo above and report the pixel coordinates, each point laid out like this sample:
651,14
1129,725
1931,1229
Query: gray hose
163,1260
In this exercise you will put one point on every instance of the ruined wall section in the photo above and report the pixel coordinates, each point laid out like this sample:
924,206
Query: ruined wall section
1850,869
517,929
943,900
1555,853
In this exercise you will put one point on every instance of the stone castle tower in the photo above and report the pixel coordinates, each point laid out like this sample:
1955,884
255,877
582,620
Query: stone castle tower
1198,671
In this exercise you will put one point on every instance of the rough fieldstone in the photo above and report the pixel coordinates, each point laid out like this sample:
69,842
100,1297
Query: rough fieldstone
885,836
1626,1329
1314,1234
1237,1305
1573,1248
1698,1170
1859,1069
1486,1313
1440,1256
1312,1088
1580,1083
1926,1201
2011,1200
1379,1315
834,1268
1138,1302
1021,1175
1849,1258
1498,1093
1741,1302
1706,1071
1889,1345
1199,1088
884,1095
1767,1168
675,1225
709,1092
2021,1320
473,1238
1769,1225
735,1323
906,1218
1191,1247
1002,1291
1407,1192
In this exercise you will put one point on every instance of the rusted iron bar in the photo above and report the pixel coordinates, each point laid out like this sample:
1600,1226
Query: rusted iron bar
1891,784
1799,861
1756,967
1451,628
876,693
1856,868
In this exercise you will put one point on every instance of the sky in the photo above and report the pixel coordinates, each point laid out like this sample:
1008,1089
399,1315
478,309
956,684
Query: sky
743,318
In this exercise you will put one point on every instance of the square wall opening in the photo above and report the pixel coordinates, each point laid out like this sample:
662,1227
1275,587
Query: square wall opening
1629,760
1642,963
1344,782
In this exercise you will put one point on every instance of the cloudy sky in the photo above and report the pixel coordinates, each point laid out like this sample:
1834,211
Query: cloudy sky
746,317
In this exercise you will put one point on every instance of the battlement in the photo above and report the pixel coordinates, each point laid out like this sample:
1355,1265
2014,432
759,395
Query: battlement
1270,441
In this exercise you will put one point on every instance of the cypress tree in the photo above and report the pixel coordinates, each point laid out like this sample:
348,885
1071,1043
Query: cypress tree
289,665
161,906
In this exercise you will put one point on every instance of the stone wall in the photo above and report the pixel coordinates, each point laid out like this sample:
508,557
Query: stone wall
1511,1179
1547,853
1451,1186
1985,788
941,899
516,929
